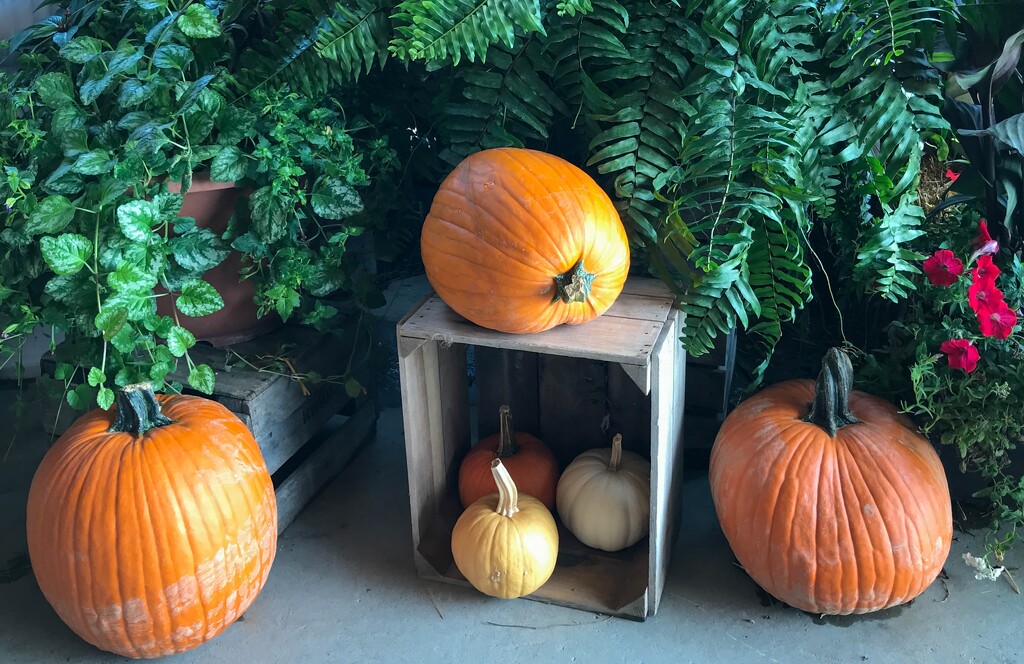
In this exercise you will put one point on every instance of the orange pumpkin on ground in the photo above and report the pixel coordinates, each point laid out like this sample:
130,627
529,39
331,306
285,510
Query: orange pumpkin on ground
830,499
531,464
521,241
152,527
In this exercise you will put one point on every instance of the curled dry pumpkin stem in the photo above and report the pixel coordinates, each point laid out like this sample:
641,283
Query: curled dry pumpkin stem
508,494
138,411
574,285
616,457
507,439
831,407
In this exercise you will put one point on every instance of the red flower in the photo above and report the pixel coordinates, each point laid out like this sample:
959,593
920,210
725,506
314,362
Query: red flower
985,271
961,354
943,268
951,176
998,322
984,244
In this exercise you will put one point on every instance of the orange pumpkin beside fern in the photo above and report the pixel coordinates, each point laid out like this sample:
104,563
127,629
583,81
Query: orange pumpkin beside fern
830,499
152,528
529,462
521,241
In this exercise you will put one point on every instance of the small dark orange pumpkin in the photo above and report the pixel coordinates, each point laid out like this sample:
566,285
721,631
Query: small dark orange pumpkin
152,527
531,464
521,241
830,498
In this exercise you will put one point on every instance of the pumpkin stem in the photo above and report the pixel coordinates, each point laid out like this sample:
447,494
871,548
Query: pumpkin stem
574,285
507,438
831,407
138,411
508,494
616,458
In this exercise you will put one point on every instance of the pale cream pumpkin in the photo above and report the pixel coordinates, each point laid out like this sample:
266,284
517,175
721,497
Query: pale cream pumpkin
505,544
604,497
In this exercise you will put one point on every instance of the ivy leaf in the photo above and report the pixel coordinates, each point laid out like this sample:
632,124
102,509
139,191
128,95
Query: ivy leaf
67,117
105,398
137,218
157,31
129,169
198,22
63,181
234,124
198,298
52,215
125,58
93,162
335,199
81,49
125,340
353,388
110,321
66,254
110,190
96,377
80,397
55,89
198,250
229,165
268,215
179,340
202,377
172,56
63,371
131,278
191,95
168,205
139,304
93,88
134,92
152,5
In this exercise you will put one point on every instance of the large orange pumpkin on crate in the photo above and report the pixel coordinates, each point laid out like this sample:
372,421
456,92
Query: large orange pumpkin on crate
152,527
521,241
830,499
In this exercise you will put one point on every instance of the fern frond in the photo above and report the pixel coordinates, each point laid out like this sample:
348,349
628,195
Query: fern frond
886,255
358,38
503,102
452,29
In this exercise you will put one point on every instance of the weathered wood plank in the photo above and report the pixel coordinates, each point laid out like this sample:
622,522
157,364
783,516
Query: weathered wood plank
640,307
506,377
646,286
629,412
669,367
573,405
605,338
331,456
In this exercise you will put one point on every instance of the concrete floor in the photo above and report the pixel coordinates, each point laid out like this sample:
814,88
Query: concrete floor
343,589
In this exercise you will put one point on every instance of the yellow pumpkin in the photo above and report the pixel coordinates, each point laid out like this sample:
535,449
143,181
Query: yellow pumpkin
505,544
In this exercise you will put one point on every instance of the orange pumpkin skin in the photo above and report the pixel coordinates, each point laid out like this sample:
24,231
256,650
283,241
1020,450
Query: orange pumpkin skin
853,523
151,546
531,465
508,221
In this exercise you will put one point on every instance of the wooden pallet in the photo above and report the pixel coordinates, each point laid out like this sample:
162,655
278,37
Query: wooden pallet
306,431
574,387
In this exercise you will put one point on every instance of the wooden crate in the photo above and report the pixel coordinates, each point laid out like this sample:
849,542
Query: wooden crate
573,386
306,431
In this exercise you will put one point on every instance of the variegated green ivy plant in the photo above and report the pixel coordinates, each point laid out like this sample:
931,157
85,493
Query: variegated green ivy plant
111,101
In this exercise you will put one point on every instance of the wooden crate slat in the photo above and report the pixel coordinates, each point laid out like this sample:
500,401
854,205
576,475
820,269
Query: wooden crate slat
641,307
279,442
669,374
506,377
329,458
649,287
606,338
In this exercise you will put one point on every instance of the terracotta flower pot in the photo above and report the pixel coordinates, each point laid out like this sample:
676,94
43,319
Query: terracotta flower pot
211,204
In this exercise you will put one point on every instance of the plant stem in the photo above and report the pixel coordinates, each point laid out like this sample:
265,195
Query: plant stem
616,457
138,411
507,438
831,408
508,494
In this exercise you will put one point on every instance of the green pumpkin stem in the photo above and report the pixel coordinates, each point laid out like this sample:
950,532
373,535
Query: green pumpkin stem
831,407
616,457
508,494
138,411
574,285
507,438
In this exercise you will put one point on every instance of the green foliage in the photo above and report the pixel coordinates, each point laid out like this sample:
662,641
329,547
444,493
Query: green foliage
109,117
724,130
